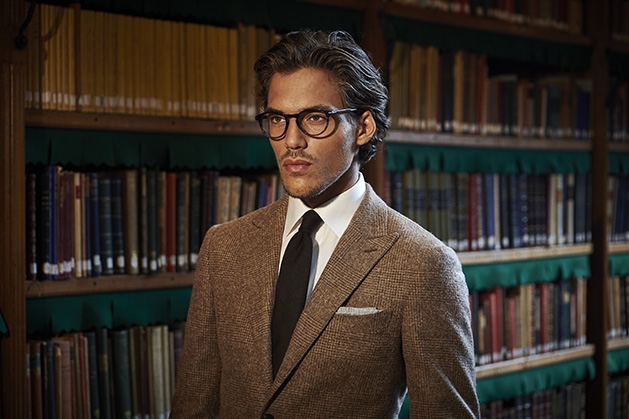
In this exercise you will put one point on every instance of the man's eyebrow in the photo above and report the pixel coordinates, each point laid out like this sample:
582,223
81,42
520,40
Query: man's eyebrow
309,108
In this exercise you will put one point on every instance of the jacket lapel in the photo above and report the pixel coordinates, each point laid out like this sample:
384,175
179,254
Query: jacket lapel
364,242
265,239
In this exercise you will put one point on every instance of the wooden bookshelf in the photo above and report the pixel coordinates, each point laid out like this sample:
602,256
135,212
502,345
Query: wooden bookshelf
103,284
534,361
138,123
462,20
618,247
479,141
525,253
619,147
14,290
618,343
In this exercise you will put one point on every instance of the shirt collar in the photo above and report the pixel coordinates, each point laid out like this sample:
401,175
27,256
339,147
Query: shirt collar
336,213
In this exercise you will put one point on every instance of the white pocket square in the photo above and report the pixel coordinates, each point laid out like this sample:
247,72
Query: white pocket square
357,311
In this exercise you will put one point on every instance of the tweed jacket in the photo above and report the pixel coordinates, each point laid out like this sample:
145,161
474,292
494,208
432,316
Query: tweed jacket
389,312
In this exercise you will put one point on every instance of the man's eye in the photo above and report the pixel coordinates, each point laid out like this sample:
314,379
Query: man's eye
316,118
276,119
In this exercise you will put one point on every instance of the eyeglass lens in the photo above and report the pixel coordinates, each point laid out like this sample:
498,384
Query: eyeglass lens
313,123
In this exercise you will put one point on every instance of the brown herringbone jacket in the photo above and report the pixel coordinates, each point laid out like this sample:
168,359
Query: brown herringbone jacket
413,329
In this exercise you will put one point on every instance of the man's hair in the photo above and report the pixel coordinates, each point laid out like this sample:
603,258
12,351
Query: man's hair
359,82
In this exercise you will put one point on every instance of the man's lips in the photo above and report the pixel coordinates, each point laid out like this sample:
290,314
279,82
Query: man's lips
296,165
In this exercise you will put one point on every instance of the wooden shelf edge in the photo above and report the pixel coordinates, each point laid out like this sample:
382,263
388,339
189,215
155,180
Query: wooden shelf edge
138,123
534,361
618,343
619,147
487,141
618,247
485,24
104,284
525,253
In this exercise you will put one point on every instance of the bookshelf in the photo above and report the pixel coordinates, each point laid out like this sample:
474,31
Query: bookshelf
374,15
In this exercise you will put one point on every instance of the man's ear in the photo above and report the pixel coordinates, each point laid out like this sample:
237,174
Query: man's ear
366,128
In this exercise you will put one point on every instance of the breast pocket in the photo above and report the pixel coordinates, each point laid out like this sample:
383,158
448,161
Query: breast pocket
360,321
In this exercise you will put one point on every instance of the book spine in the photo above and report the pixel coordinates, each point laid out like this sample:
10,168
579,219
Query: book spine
94,226
105,223
121,373
117,224
130,221
103,356
93,368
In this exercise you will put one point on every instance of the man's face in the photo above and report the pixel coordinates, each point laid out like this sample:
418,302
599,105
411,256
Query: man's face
314,169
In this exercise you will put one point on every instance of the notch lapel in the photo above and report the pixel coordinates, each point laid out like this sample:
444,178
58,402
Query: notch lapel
362,245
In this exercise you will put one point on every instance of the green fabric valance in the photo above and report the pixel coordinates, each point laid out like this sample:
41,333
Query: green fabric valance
131,149
508,386
400,157
510,274
618,163
53,315
619,264
531,51
618,361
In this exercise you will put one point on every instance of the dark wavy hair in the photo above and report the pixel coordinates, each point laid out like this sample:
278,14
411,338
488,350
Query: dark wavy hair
359,82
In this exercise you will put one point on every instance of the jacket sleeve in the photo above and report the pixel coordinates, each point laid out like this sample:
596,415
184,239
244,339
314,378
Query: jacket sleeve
198,375
437,340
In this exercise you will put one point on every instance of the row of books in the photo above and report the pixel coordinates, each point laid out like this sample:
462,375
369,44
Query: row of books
452,92
102,62
566,15
565,402
618,103
618,397
87,224
618,308
477,211
103,373
529,319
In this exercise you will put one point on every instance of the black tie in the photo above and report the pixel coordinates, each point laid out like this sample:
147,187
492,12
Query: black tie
292,286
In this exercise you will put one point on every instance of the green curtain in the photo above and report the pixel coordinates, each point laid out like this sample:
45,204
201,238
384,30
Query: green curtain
508,386
509,274
400,157
87,148
618,361
619,264
618,163
53,315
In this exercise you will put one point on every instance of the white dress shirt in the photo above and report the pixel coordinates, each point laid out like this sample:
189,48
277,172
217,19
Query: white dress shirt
336,215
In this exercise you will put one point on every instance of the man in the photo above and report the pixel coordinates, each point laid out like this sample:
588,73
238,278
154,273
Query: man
387,305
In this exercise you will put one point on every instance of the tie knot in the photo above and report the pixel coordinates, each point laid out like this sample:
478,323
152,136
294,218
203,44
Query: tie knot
310,222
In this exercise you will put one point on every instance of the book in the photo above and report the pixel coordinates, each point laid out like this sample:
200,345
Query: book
63,377
194,219
121,373
130,220
35,379
183,221
105,223
93,375
155,351
104,385
171,221
117,224
47,196
94,224
31,226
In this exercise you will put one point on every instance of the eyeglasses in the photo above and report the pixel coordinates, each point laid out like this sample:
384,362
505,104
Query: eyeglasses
312,122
